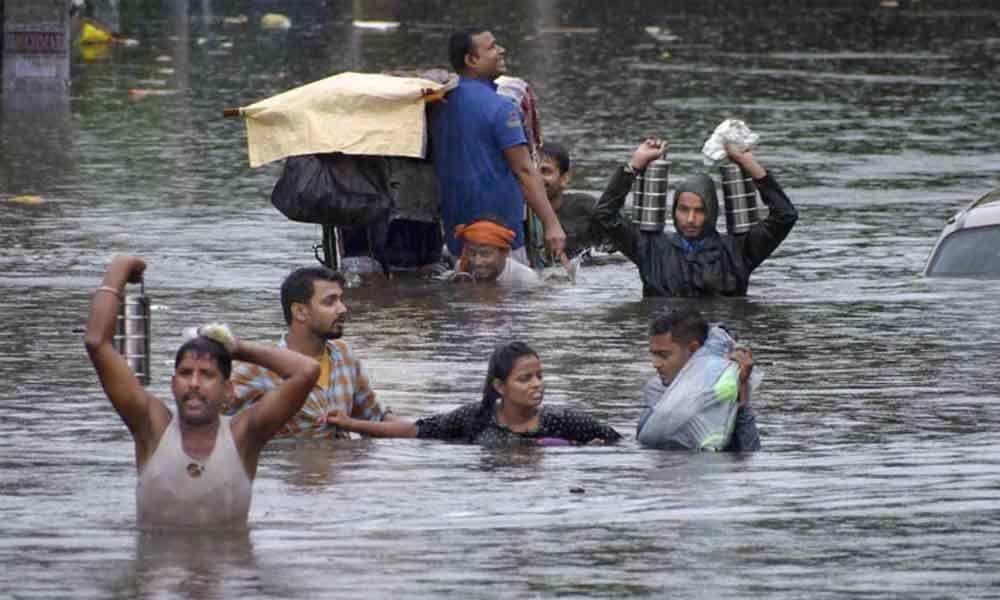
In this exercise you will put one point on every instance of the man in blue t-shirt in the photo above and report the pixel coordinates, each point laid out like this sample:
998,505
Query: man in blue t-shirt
480,151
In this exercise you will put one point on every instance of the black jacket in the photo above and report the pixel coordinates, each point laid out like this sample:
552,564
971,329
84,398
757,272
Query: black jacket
721,267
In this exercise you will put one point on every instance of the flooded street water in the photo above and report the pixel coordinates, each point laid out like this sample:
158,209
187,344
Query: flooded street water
880,474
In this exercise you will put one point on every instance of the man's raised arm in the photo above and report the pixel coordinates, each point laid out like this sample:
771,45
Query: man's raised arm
263,418
533,188
607,212
121,386
764,237
745,437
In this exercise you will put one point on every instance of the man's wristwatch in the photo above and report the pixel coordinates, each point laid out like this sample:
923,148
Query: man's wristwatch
630,169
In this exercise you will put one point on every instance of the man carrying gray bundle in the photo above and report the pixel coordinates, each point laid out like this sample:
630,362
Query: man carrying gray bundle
697,260
682,411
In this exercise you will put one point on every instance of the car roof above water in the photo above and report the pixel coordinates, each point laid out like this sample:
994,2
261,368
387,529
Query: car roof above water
969,244
984,211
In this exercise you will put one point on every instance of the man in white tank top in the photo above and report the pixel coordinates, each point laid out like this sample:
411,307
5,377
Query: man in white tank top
195,467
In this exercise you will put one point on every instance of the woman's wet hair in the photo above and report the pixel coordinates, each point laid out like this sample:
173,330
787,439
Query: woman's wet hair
501,365
298,286
684,326
203,346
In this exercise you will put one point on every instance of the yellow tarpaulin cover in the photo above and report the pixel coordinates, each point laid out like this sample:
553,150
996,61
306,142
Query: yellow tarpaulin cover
353,113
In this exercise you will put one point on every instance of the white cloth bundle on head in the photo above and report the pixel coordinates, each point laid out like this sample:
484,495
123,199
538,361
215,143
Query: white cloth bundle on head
218,332
730,131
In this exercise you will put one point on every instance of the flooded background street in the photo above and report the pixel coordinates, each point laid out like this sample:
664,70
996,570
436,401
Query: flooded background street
880,475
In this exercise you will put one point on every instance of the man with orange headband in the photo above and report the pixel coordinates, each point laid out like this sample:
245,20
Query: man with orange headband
486,253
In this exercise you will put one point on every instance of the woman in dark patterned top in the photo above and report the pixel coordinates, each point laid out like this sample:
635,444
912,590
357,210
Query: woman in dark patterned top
510,411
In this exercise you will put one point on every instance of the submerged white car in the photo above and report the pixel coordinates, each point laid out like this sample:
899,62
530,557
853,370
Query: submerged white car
969,245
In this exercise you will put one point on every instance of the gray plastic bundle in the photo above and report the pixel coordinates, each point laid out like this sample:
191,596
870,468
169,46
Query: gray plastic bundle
698,410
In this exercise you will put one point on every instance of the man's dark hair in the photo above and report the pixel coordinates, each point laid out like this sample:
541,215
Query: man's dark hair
459,44
684,325
298,286
203,346
558,153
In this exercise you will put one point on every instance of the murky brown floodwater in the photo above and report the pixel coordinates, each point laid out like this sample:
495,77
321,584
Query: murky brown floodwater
878,414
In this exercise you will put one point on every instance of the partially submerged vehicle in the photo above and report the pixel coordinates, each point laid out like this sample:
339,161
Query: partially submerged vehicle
969,245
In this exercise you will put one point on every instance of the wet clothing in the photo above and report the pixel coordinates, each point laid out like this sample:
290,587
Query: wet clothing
468,424
713,265
745,437
514,273
469,133
342,385
575,215
177,491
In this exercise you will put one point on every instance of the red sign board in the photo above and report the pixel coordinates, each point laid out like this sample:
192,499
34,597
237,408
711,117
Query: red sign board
39,42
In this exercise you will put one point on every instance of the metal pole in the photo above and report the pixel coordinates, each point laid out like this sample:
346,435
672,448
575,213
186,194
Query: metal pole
336,248
331,247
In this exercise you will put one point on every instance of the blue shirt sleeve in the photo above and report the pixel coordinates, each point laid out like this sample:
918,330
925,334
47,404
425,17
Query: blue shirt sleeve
508,126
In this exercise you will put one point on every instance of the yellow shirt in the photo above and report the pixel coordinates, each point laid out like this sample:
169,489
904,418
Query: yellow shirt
325,367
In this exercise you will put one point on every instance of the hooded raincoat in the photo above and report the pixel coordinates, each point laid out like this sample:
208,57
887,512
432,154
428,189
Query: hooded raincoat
713,265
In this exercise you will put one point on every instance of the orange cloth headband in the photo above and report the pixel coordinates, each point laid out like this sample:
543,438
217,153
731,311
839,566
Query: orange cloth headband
485,233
